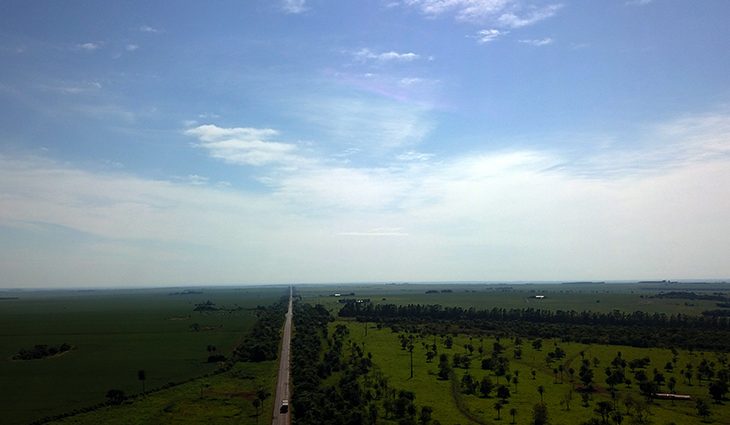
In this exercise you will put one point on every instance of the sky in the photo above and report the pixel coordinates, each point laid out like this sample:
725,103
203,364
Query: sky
265,141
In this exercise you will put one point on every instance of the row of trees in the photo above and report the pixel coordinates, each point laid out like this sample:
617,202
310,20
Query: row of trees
41,351
342,387
637,329
262,343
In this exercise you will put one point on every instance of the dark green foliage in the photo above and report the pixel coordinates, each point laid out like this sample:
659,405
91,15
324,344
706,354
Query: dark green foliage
41,351
263,341
355,393
639,329
115,396
540,414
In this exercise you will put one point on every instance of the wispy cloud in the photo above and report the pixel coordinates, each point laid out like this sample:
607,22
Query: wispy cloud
368,122
390,56
89,46
489,35
538,42
504,13
638,2
530,17
148,29
244,146
414,156
294,6
131,47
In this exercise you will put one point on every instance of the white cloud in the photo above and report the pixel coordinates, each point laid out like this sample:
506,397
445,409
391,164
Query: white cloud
503,13
638,2
89,46
488,35
631,213
538,42
511,20
414,156
468,10
391,56
149,29
131,47
294,6
197,180
244,146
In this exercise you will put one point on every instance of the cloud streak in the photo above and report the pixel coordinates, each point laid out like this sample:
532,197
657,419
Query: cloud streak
365,55
244,146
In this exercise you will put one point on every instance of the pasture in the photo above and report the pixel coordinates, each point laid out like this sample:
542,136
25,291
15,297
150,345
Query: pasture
113,334
394,362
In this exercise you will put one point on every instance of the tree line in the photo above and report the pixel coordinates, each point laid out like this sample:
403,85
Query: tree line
262,343
639,329
343,387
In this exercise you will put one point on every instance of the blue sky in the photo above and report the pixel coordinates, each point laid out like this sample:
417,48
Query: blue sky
154,143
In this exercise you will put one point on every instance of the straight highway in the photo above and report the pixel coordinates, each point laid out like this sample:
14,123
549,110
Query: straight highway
281,417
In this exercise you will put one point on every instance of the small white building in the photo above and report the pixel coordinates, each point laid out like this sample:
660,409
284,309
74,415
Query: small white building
539,297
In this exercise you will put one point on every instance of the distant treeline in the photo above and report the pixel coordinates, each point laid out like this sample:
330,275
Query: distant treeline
637,329
687,295
41,351
263,341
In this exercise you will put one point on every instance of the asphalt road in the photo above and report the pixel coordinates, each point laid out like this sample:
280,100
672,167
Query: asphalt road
282,384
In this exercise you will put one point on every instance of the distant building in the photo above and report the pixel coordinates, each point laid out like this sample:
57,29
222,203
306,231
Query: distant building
539,297
337,295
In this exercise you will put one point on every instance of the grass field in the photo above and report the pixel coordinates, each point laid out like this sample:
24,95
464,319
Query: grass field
114,334
394,363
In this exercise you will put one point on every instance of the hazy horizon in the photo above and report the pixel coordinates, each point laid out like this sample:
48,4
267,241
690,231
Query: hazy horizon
326,141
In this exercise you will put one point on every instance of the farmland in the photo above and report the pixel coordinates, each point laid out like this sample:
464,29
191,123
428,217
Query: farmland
452,357
113,335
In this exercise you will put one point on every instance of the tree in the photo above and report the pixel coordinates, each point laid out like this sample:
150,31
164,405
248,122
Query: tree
425,417
541,390
142,376
586,375
486,386
410,350
498,407
444,368
672,384
115,396
540,414
604,408
718,389
503,392
703,409
537,344
256,404
513,413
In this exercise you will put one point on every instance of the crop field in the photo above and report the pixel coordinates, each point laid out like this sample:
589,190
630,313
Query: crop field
449,402
595,297
220,399
113,335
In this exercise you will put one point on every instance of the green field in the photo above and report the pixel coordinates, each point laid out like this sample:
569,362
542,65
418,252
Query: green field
221,399
394,362
113,334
